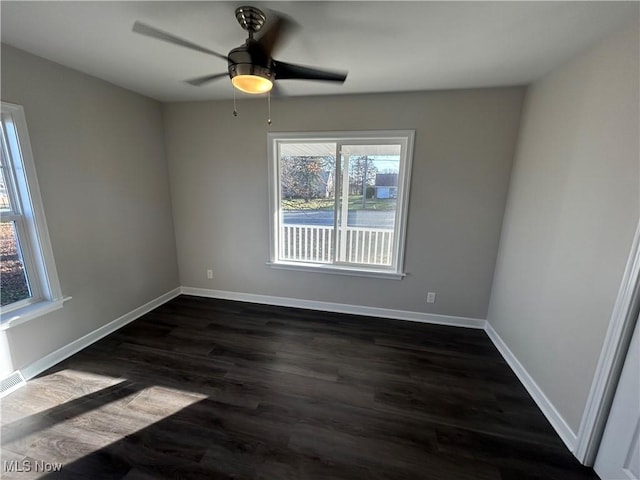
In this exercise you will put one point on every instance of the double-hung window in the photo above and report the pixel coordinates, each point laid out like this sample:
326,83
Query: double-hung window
339,201
29,282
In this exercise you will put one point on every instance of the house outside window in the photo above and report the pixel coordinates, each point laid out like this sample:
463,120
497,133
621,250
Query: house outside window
339,201
29,282
386,185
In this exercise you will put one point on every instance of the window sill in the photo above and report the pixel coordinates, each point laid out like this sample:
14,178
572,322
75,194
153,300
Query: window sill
16,317
337,270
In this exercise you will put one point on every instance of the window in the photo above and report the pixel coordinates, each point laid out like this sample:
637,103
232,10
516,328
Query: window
29,283
339,201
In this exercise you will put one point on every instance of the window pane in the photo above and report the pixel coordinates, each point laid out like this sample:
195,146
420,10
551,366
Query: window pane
307,201
338,199
5,198
5,205
368,200
14,285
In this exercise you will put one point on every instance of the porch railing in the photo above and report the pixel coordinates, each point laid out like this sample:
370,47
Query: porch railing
315,243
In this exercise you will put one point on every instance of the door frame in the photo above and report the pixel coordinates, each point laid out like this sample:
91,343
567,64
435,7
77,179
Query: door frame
612,356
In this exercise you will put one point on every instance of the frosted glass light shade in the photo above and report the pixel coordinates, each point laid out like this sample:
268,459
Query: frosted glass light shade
252,83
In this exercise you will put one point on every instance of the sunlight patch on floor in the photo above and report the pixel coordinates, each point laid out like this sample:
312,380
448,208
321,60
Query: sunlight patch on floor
91,423
49,391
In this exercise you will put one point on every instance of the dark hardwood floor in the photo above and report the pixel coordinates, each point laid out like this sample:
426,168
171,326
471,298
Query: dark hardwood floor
212,389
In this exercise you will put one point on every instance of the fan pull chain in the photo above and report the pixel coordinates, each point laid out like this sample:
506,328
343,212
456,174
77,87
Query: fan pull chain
235,110
269,106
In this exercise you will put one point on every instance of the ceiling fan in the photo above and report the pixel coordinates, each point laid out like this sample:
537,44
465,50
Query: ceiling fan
251,67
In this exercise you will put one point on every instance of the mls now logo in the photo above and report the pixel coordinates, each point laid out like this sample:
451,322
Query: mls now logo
19,466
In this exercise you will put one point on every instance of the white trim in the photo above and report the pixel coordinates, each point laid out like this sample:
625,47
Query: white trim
338,308
59,355
39,242
34,310
405,138
611,358
561,427
336,270
549,411
553,416
572,441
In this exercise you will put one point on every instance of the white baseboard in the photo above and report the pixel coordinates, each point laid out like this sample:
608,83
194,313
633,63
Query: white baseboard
553,416
57,356
338,308
559,424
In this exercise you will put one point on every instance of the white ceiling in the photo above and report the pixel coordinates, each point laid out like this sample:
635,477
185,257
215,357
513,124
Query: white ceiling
385,46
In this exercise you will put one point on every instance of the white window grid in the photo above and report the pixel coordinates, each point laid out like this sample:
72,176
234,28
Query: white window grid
21,203
281,235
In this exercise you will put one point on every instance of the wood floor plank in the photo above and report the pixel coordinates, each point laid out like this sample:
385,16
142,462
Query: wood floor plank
216,389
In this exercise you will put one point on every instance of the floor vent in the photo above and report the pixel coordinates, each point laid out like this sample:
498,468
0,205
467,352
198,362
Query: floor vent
11,383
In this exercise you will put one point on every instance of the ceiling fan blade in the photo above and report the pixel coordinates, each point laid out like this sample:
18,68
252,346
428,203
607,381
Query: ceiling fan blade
207,78
149,31
285,71
275,33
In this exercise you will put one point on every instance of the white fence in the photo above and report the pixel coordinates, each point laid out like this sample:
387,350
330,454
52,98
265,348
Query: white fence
314,243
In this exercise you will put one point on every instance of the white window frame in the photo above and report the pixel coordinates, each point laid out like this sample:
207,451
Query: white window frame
404,137
30,221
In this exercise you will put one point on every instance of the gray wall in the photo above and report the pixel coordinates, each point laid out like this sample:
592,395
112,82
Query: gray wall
571,211
570,219
101,165
465,142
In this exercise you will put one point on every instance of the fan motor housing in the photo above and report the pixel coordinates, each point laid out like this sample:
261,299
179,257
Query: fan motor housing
242,62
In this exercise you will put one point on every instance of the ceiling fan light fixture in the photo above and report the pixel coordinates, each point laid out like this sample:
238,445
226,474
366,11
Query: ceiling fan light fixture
253,84
252,79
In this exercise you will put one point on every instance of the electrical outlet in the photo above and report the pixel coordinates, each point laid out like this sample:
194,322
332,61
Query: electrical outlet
209,274
431,297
